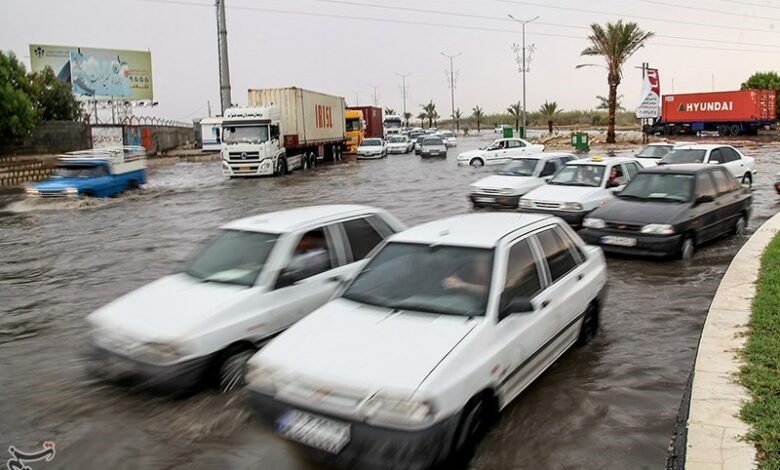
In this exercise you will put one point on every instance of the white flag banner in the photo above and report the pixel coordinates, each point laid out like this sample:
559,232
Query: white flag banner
650,100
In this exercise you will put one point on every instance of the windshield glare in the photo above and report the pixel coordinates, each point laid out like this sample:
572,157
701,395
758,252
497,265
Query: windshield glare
79,171
654,151
579,175
439,279
353,124
685,156
522,167
663,187
372,143
245,134
233,257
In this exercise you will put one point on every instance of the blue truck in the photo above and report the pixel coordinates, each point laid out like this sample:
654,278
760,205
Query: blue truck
96,173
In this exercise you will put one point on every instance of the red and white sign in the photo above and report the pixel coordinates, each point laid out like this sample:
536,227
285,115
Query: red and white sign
650,100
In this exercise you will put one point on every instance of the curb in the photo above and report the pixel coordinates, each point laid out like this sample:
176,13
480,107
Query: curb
715,431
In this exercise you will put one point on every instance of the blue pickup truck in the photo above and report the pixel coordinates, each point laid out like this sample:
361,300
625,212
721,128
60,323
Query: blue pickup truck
97,173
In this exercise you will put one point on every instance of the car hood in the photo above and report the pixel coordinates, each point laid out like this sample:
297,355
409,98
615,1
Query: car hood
369,149
61,183
165,310
358,345
471,153
502,181
560,193
641,212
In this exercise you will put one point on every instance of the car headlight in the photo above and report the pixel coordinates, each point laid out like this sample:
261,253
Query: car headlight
71,191
157,353
571,206
658,229
526,203
260,376
591,222
398,411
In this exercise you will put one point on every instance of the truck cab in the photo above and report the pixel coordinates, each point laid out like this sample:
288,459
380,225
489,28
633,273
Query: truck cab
393,124
355,129
251,143
97,173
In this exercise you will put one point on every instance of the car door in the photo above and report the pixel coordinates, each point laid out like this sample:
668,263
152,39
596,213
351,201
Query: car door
726,210
704,217
516,148
496,153
734,163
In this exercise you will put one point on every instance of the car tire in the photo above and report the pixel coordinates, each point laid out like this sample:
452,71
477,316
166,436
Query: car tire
474,424
477,162
748,180
590,325
228,368
132,184
740,226
687,249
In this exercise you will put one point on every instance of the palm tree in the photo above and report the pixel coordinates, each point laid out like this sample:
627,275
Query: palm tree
389,111
435,116
516,110
548,111
407,116
422,117
616,43
478,115
430,112
604,103
457,115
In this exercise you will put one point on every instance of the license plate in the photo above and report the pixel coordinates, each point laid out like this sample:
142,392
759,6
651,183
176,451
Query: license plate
244,168
618,241
315,431
435,152
484,199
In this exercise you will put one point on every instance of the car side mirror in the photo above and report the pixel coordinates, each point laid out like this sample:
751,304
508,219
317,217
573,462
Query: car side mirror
515,306
548,179
704,199
286,278
616,192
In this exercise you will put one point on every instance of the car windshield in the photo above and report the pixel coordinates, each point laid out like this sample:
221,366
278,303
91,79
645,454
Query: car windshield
433,141
447,134
655,151
685,156
353,124
668,187
233,257
442,279
245,134
397,140
80,171
579,175
520,167
371,143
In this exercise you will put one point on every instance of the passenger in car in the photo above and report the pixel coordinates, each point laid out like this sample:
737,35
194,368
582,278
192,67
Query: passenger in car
311,256
474,279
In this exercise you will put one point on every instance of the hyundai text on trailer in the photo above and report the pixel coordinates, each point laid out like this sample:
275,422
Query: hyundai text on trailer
282,129
446,324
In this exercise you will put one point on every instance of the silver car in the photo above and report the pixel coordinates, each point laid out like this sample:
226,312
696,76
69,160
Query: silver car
433,146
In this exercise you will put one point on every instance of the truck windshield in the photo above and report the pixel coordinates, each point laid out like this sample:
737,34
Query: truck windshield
393,124
245,134
233,257
442,279
684,156
353,124
80,171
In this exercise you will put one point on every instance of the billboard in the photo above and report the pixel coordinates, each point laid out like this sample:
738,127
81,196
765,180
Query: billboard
98,72
650,101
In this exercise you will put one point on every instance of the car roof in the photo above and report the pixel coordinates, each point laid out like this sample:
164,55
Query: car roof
291,220
483,230
703,146
596,160
687,168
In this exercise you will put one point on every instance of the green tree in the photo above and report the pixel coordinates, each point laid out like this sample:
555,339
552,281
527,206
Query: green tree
604,103
516,110
407,117
17,112
422,117
765,81
616,43
548,111
53,98
457,115
478,115
430,112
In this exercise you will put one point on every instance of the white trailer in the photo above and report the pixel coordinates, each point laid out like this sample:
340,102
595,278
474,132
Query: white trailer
211,133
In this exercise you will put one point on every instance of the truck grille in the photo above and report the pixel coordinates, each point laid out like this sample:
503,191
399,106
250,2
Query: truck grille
239,169
239,157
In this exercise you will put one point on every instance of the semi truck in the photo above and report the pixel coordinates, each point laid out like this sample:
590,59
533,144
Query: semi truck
393,124
725,112
281,130
355,126
374,123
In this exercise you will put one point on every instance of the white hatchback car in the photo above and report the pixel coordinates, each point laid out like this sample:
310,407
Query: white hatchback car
580,187
499,152
741,166
516,178
257,277
444,326
399,144
372,148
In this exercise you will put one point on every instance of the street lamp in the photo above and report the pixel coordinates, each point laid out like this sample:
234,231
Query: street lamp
524,22
403,91
452,82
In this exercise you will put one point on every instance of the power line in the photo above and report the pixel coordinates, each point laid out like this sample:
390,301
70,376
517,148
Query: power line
751,4
719,12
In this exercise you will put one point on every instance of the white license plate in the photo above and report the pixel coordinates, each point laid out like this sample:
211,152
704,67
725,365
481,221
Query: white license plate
315,431
618,241
484,199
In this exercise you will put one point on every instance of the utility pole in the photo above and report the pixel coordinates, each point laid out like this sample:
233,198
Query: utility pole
452,84
524,22
224,69
376,96
403,92
208,103
357,99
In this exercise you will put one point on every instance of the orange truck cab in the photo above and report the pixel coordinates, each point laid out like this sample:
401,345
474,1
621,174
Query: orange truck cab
355,126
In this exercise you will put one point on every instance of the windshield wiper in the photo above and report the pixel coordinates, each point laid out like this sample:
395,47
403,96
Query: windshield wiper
630,196
411,306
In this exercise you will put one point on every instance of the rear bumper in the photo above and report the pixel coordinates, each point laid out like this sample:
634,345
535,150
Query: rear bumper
494,200
371,446
646,245
572,218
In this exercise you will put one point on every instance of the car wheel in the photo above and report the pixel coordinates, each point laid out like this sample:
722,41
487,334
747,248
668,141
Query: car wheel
590,325
687,249
477,162
132,184
748,180
473,426
229,368
740,226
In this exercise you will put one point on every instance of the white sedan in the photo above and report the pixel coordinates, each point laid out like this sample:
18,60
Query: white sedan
741,166
447,324
499,152
372,148
257,277
449,138
399,144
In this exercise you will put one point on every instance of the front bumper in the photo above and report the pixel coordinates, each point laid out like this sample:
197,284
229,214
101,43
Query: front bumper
494,200
574,219
372,156
397,150
372,446
433,155
256,168
646,245
167,378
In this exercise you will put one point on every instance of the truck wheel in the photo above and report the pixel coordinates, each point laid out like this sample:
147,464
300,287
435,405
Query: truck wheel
667,131
281,167
736,130
305,159
723,130
313,161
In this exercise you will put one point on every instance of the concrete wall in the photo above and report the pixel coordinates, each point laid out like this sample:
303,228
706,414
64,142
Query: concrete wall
51,137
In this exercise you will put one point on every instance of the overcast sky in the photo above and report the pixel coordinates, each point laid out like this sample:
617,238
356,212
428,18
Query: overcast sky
316,45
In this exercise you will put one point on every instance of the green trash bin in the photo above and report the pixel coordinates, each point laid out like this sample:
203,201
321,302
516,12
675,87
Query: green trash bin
579,140
508,132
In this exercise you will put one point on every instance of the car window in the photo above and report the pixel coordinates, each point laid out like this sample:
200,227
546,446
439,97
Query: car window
362,237
549,169
716,156
632,169
512,144
735,184
721,183
730,155
705,186
571,244
616,177
557,255
522,273
311,256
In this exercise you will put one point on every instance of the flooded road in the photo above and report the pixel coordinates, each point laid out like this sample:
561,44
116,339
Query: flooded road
610,405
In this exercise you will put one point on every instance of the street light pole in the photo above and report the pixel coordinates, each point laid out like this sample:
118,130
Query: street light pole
224,69
376,96
452,83
524,22
403,91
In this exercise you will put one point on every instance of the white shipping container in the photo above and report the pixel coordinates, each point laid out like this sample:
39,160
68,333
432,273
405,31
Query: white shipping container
307,117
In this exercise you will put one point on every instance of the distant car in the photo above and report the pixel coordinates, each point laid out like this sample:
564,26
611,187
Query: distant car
431,130
499,152
372,148
254,279
399,144
520,175
433,146
580,187
651,154
500,128
444,327
413,135
741,166
669,210
449,138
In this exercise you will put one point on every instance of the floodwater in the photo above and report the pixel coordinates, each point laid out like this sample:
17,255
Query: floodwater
610,405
